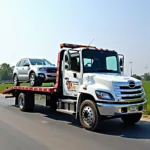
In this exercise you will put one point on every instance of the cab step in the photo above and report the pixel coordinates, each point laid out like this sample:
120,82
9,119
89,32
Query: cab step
70,112
67,105
68,101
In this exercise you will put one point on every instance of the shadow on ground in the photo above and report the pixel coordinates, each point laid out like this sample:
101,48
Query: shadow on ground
114,127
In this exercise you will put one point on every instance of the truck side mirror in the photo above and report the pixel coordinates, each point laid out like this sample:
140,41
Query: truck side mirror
67,60
67,67
121,62
121,68
67,57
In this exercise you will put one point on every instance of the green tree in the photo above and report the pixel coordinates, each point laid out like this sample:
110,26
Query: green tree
5,72
146,76
137,77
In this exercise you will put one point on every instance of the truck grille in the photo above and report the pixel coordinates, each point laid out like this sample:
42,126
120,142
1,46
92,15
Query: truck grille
127,91
51,70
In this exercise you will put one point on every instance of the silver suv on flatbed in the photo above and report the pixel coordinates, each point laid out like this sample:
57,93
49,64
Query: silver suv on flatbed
35,71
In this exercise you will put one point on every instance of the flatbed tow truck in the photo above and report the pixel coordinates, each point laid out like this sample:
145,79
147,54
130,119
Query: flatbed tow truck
90,84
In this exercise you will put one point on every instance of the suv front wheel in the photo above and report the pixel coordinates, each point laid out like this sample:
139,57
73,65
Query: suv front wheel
32,79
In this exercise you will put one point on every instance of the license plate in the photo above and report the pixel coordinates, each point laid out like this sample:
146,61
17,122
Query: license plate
133,108
53,74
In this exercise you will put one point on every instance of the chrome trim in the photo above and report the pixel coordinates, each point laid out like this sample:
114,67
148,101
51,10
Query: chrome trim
106,109
119,88
126,84
128,90
129,95
131,84
131,100
122,100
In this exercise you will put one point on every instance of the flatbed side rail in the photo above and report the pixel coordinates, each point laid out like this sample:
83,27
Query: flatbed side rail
26,88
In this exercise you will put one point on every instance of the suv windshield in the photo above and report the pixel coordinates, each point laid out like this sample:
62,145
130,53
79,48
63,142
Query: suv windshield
100,61
40,62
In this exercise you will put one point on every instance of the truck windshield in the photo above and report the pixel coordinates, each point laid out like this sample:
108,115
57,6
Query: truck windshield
100,61
40,62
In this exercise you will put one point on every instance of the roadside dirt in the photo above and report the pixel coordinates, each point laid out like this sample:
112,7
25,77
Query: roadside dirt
146,118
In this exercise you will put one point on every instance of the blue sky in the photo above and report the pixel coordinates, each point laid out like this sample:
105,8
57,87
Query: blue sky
35,28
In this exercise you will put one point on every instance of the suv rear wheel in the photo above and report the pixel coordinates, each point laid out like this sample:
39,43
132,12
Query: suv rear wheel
15,80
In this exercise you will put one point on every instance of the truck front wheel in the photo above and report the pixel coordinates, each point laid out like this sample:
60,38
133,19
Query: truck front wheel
89,115
131,119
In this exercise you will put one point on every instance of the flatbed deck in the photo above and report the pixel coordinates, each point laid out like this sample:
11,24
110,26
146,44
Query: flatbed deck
27,88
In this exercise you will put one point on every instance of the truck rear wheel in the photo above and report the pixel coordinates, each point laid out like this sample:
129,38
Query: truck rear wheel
89,115
26,102
131,119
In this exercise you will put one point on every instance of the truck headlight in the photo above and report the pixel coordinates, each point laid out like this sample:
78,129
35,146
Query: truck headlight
104,95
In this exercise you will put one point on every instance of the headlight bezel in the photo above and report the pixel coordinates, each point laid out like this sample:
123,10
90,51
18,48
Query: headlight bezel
102,95
42,69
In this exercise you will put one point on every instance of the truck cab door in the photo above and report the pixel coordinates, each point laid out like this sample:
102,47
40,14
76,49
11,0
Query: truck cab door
72,73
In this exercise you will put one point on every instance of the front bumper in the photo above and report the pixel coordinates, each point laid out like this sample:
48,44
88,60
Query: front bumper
47,76
106,109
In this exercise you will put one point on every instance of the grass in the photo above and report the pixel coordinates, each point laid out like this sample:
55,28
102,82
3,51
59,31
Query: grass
146,85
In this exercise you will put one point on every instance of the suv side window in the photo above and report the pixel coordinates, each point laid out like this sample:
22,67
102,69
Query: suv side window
18,63
21,63
26,62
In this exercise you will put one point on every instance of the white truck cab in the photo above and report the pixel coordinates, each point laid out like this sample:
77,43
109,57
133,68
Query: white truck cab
95,77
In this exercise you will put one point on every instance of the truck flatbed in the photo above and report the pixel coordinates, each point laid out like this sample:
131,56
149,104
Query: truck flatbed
27,88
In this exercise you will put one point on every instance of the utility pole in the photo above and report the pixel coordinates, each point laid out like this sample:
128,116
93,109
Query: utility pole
131,67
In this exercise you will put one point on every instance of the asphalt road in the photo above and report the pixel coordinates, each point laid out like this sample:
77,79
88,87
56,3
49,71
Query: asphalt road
42,130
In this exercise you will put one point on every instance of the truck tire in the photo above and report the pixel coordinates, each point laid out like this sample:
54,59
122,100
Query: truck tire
15,80
131,119
89,115
26,102
53,107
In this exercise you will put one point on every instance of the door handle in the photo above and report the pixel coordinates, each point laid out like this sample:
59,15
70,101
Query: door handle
74,75
66,78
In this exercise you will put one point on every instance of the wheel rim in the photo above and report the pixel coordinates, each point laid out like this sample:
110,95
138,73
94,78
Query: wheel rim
32,79
15,80
21,103
88,115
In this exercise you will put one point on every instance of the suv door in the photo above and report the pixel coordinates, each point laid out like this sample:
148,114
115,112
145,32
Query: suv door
20,69
26,68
